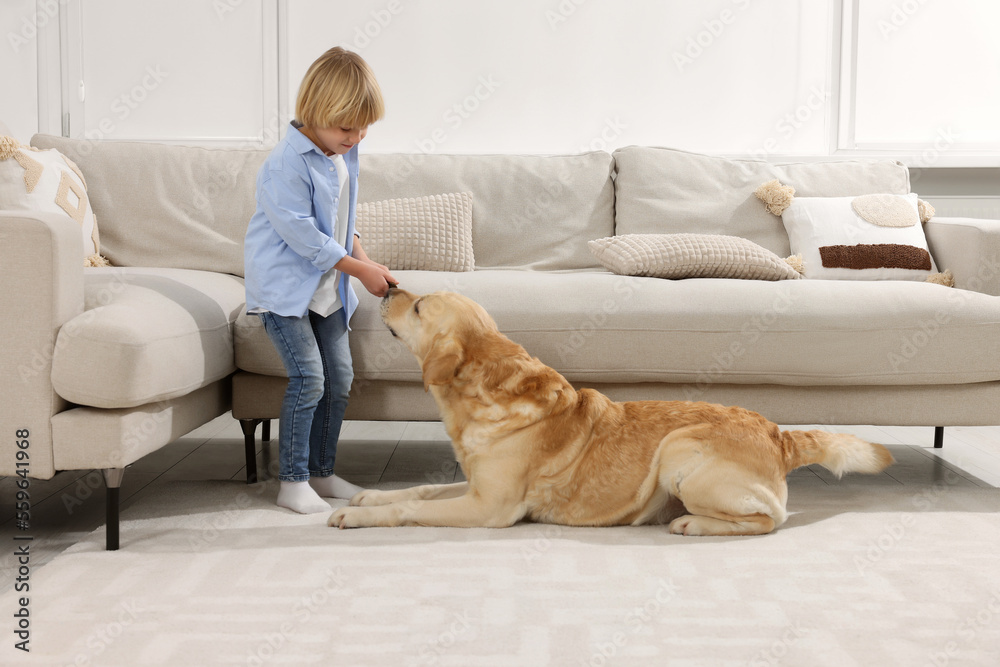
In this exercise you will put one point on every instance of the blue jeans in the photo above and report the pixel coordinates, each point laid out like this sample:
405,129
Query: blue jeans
317,357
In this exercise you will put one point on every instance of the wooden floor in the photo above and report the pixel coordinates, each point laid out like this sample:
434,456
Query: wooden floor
71,504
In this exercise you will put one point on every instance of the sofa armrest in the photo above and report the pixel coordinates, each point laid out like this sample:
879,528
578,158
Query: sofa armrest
42,288
970,247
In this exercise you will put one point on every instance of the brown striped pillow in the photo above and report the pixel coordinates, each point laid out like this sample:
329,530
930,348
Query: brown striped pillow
869,237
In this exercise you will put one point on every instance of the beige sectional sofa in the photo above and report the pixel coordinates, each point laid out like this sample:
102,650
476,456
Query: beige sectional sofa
106,365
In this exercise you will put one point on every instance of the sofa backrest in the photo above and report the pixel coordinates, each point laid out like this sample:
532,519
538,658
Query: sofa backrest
186,207
161,205
667,191
528,211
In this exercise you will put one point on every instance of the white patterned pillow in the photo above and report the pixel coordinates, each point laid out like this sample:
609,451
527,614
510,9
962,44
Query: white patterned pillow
690,256
48,181
870,237
432,233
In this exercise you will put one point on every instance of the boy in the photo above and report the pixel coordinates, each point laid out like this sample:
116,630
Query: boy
300,243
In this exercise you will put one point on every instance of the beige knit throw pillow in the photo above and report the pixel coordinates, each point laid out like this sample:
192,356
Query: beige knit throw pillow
691,256
432,233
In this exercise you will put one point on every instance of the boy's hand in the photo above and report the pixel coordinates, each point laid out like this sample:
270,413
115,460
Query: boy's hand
376,279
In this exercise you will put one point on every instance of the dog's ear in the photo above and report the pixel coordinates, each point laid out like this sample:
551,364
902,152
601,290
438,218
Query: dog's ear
442,362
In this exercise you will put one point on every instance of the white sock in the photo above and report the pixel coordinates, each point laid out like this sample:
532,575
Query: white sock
334,487
300,497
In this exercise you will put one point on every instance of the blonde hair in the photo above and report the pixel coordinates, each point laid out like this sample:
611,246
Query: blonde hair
339,90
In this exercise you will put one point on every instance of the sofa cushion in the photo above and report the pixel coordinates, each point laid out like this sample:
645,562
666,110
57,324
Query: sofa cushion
253,349
167,206
531,211
666,191
601,327
147,335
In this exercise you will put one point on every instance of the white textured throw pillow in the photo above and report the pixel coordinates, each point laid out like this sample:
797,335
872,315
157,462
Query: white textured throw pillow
432,233
869,237
48,181
690,256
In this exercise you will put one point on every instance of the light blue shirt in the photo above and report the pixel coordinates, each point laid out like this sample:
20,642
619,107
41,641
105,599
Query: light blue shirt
290,240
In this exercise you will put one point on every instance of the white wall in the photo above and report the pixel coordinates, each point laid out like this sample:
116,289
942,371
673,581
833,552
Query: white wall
559,77
19,67
735,77
191,72
554,76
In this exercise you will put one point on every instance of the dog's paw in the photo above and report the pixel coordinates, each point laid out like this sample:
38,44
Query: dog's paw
341,519
367,498
687,525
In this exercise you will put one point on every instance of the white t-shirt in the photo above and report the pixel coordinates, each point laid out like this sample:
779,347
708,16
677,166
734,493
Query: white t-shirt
326,300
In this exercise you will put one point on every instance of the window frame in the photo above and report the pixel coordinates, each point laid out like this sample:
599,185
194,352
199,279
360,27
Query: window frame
941,153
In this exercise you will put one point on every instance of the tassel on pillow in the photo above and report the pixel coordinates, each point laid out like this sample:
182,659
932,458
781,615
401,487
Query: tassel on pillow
96,260
776,197
946,279
926,210
8,146
795,261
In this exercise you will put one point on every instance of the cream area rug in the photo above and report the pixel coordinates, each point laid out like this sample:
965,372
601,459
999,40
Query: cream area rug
212,573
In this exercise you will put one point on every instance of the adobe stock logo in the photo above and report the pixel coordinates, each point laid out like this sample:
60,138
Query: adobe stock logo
124,105
46,11
381,18
459,112
562,13
712,30
898,17
793,121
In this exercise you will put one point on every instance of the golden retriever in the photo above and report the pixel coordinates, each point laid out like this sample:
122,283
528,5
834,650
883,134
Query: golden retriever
532,447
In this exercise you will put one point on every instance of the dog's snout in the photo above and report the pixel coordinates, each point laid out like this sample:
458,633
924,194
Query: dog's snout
393,287
384,305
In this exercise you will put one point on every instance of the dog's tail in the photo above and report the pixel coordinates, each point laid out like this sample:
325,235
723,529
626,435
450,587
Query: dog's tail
837,452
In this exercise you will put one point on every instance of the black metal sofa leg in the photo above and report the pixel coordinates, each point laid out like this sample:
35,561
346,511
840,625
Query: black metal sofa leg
112,482
249,427
938,437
